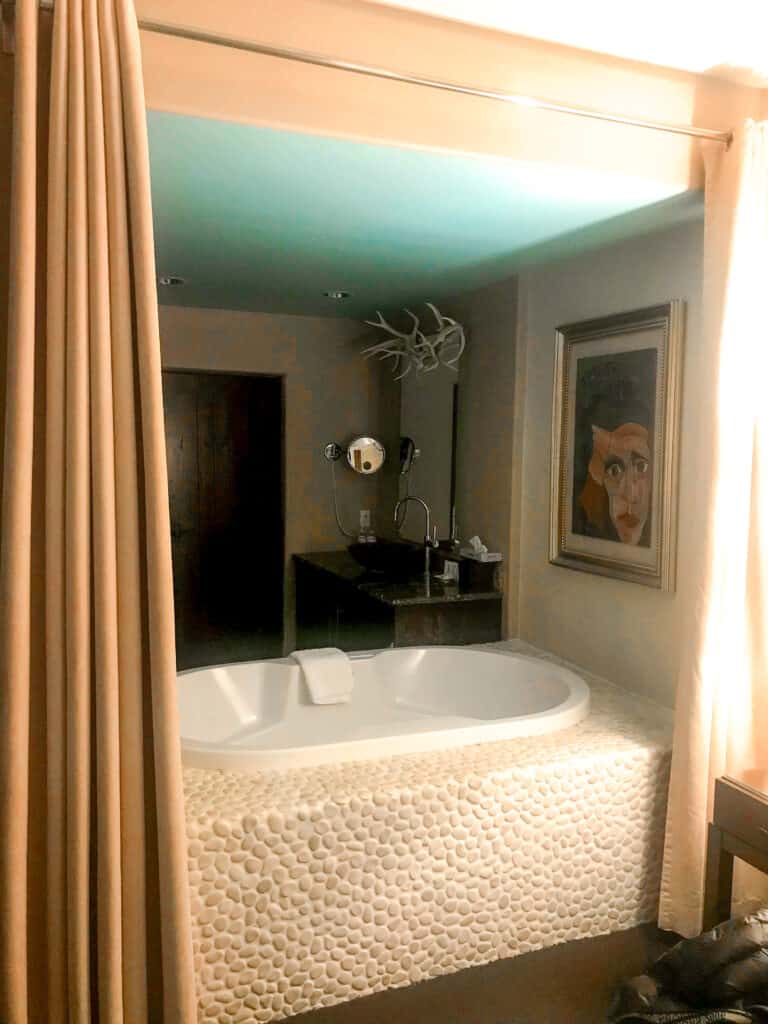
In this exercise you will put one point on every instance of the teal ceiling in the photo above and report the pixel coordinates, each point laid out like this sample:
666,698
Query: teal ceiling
254,218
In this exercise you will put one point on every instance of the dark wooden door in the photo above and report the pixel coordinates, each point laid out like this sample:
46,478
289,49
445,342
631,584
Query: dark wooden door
225,456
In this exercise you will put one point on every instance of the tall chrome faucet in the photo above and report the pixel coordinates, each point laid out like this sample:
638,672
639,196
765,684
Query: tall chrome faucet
430,541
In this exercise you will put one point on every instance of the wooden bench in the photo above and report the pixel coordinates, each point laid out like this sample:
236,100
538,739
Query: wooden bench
739,828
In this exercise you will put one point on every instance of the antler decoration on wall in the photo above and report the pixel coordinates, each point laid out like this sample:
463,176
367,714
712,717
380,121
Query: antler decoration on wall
415,350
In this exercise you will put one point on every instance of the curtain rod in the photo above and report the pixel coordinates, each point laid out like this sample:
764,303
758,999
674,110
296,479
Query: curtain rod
320,60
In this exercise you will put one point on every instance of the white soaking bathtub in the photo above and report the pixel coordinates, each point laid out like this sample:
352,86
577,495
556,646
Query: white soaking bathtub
256,716
315,886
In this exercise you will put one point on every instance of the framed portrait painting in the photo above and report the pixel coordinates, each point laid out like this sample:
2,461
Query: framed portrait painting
614,445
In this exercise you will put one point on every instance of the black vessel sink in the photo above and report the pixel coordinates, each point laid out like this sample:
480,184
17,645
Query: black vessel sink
396,560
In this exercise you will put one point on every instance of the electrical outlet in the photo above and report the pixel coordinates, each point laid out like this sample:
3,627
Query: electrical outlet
365,519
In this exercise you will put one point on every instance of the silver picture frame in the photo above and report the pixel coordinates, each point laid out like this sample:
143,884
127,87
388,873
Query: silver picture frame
587,531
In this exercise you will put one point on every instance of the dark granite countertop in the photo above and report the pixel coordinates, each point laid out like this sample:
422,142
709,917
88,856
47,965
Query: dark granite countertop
392,592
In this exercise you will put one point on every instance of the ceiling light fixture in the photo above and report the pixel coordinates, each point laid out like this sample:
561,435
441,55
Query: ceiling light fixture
171,280
337,296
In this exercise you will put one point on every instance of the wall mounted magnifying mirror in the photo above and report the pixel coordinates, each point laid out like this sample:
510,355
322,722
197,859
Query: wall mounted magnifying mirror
366,455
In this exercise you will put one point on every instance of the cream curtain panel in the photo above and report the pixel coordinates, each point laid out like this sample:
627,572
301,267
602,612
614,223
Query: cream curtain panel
721,722
94,922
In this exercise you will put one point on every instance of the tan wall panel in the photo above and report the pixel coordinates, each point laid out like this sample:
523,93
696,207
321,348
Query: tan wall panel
624,631
485,455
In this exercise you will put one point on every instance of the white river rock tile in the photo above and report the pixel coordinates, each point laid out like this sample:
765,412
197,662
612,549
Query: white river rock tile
314,886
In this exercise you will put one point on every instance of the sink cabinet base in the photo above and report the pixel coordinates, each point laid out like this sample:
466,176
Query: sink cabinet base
332,611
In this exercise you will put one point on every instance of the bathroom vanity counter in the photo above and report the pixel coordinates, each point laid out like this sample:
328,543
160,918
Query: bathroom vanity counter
392,592
413,592
341,604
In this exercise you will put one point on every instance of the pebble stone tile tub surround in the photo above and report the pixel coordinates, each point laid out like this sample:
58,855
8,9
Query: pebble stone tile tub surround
314,886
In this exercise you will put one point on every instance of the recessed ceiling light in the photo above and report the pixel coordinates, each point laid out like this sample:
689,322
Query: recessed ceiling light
337,296
171,280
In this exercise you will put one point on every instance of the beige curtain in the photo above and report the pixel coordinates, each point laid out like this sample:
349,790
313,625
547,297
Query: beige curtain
94,922
721,722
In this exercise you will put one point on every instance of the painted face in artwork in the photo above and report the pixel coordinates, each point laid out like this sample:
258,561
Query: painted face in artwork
621,464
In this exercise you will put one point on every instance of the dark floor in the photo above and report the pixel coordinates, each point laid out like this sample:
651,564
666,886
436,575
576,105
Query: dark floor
568,984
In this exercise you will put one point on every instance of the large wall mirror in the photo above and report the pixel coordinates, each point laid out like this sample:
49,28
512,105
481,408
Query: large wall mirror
428,416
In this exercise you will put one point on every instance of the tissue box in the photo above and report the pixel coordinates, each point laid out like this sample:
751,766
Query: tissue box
485,576
480,556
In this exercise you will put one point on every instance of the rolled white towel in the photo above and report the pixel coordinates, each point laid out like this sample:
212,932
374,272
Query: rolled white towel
328,673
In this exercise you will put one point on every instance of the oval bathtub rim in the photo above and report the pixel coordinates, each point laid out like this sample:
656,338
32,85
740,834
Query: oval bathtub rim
573,710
